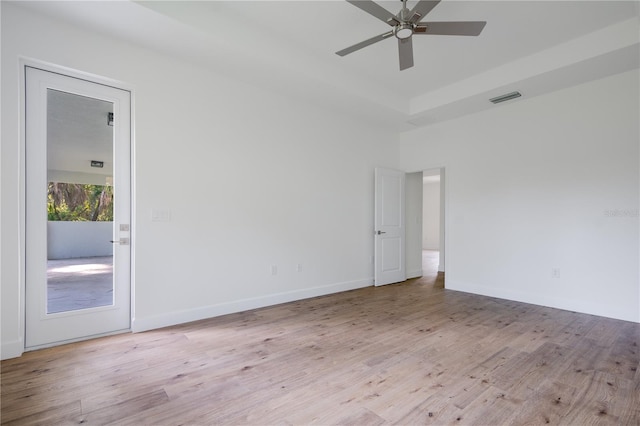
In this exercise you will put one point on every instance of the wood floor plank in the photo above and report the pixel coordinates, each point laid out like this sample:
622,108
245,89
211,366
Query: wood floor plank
123,409
411,353
492,407
435,410
547,361
45,414
548,404
596,402
627,404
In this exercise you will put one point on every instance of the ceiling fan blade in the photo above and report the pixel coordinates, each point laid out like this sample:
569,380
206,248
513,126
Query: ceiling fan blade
421,9
365,43
405,48
376,10
462,28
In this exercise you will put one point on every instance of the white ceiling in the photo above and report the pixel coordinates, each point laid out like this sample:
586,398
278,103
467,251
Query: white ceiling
78,133
289,46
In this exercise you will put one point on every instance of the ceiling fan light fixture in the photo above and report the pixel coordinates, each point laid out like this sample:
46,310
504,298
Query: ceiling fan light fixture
403,31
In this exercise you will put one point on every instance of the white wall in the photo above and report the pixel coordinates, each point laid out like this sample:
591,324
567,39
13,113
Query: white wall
251,179
79,239
431,216
534,185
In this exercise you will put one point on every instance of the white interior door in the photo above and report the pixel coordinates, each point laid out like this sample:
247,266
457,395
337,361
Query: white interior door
390,226
78,209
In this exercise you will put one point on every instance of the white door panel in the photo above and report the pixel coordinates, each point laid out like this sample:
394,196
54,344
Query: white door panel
390,227
391,254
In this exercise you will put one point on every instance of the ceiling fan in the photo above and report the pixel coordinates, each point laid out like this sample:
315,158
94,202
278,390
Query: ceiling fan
406,23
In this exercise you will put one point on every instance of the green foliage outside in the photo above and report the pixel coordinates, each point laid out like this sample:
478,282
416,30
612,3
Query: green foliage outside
77,202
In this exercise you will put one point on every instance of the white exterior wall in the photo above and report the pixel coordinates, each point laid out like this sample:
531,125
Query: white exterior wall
79,239
251,179
550,182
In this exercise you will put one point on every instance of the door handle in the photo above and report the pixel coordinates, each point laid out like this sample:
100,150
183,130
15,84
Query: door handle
123,241
380,232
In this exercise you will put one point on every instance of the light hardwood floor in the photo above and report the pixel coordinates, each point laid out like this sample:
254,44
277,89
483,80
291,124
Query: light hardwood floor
411,353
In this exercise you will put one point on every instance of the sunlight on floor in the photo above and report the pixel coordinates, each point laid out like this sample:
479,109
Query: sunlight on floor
80,283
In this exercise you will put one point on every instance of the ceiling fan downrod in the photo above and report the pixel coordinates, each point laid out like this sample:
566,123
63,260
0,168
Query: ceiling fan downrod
404,29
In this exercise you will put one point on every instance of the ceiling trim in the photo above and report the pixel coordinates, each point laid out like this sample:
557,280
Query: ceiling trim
617,41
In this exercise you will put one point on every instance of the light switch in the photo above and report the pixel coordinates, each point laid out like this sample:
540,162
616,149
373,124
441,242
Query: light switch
160,215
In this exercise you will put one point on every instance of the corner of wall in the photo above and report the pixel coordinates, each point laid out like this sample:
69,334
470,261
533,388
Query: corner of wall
180,317
584,306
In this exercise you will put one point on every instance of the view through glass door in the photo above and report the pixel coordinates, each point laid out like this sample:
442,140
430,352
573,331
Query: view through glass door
77,209
79,202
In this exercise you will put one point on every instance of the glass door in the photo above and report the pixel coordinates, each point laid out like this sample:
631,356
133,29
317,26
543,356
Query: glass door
77,209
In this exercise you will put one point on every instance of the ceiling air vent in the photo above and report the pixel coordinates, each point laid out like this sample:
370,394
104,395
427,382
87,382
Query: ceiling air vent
506,97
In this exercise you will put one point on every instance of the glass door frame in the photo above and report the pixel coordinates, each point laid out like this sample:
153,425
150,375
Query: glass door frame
75,325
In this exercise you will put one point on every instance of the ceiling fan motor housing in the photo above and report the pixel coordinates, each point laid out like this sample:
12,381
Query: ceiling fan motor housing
403,31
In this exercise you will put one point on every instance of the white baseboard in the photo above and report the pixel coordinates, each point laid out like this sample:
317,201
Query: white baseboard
584,307
414,274
12,349
196,314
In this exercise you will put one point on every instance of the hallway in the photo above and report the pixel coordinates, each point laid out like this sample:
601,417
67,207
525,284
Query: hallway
430,275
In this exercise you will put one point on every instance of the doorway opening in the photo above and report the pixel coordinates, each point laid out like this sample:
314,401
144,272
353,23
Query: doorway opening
430,274
433,223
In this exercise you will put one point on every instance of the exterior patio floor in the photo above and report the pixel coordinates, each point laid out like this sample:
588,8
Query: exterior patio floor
79,283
